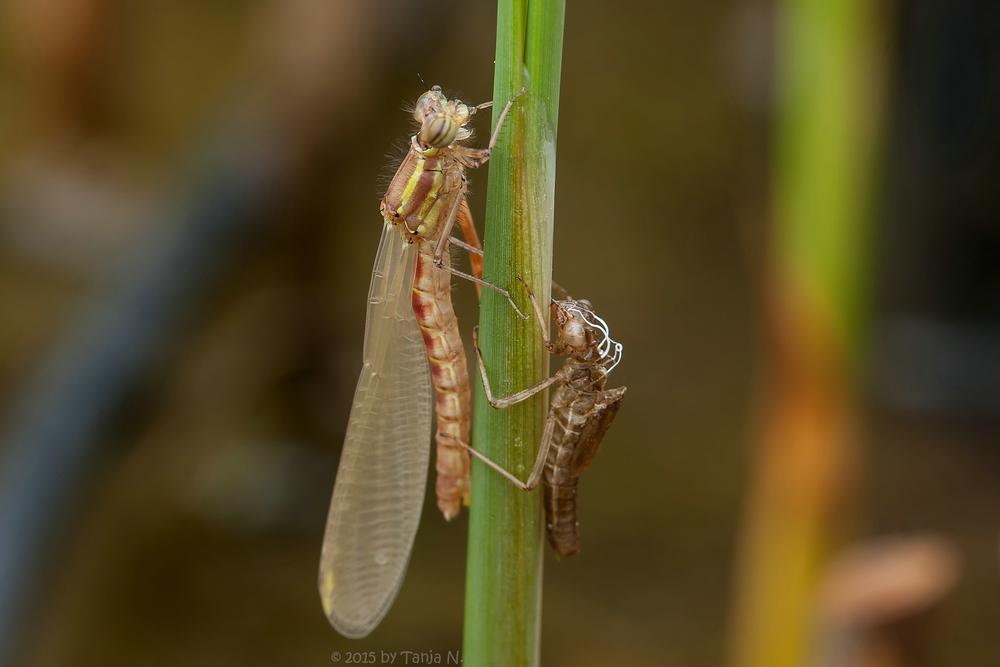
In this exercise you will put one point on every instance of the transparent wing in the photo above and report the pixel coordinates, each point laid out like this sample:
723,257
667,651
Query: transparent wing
383,468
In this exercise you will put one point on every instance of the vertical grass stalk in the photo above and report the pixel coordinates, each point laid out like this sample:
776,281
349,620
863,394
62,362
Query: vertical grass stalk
504,567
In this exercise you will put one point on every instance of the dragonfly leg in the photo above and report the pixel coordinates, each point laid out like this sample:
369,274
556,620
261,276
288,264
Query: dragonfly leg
480,107
465,246
543,452
472,239
449,224
478,251
513,399
480,281
536,471
559,288
476,157
496,466
542,319
503,115
470,245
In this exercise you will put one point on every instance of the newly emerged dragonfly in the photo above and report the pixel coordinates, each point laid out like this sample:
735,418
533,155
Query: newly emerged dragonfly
580,413
411,340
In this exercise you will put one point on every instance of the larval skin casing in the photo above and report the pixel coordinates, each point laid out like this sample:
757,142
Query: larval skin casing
581,413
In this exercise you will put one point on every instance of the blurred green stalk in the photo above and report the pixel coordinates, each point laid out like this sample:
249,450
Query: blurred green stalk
504,568
829,84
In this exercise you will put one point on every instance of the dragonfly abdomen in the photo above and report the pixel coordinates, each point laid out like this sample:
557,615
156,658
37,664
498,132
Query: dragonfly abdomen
439,326
561,523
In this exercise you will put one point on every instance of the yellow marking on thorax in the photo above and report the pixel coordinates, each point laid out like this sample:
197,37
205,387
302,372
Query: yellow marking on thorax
424,213
411,185
431,200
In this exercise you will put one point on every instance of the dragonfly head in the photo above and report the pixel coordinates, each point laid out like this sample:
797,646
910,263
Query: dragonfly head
583,335
441,120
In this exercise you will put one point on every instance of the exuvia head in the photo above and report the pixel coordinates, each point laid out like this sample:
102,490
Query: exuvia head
584,335
441,120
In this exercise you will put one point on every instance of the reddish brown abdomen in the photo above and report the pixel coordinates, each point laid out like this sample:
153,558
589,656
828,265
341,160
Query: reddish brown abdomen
439,326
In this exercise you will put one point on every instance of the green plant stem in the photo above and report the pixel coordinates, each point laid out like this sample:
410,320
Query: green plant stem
504,567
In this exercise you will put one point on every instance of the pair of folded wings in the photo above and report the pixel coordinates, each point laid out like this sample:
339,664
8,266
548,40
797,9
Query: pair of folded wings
380,486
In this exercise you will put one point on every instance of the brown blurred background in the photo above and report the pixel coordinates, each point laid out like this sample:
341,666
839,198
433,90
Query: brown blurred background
189,213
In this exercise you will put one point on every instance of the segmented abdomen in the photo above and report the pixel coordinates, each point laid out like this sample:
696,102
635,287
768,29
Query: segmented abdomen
439,326
560,487
561,521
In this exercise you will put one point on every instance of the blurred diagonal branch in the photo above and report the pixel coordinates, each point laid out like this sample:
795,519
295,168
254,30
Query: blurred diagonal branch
823,172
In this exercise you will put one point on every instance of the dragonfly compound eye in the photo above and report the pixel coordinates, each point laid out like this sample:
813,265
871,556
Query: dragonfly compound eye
438,131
